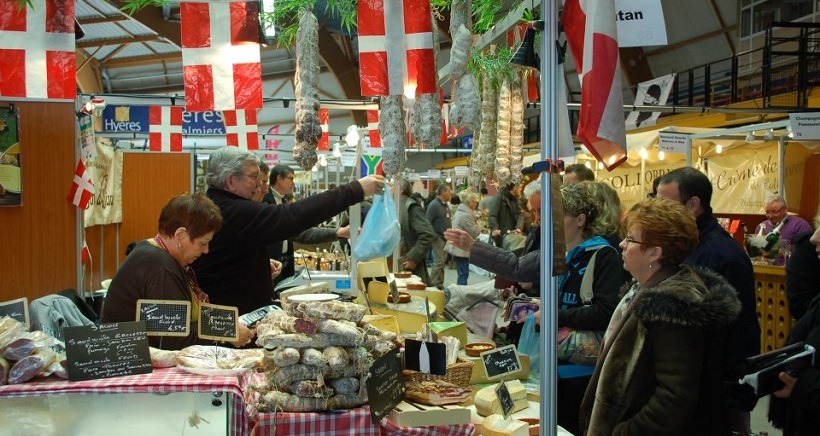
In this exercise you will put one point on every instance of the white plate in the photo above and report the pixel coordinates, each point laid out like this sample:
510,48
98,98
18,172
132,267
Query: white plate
313,297
213,372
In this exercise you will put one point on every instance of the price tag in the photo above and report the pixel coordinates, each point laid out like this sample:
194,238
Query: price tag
385,385
107,350
164,317
504,398
17,309
500,362
218,323
674,142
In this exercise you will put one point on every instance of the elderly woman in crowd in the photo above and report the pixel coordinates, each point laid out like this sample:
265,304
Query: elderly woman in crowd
158,268
238,271
660,371
464,219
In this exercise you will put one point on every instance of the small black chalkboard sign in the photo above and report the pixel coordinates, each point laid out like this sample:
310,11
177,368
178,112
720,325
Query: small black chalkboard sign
17,309
500,362
218,323
385,385
504,398
425,357
165,317
107,350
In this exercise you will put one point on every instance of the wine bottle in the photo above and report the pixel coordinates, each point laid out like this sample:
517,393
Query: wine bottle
774,235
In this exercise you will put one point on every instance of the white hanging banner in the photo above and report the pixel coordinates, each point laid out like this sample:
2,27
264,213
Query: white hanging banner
743,181
105,170
640,23
632,185
805,125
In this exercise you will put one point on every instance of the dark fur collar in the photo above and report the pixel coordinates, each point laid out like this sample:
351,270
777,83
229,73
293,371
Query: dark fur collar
694,296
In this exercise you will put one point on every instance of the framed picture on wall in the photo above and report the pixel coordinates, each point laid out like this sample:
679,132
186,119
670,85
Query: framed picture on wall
10,161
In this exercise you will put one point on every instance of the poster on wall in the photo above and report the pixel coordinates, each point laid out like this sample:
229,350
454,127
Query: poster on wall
105,169
742,181
11,178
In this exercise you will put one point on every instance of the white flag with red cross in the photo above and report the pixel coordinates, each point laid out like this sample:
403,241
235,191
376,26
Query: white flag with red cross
82,189
530,84
37,50
165,128
272,144
373,128
220,56
241,128
396,47
324,123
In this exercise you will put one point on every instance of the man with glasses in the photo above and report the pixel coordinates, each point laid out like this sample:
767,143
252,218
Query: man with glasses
282,184
776,211
717,251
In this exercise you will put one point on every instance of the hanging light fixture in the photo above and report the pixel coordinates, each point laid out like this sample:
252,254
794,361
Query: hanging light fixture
643,154
661,155
337,150
750,137
526,57
719,149
769,136
352,137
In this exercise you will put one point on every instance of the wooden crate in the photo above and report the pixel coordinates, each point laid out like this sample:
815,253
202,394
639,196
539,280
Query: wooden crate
772,307
408,414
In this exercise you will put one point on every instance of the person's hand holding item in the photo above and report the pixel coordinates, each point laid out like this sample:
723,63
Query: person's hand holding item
537,314
245,336
789,382
408,265
496,233
373,184
275,268
460,239
344,232
508,292
525,285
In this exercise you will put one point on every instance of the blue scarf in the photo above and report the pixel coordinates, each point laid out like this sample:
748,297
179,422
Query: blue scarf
576,251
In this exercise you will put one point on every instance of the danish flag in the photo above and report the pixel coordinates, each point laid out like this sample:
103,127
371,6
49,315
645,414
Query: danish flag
82,189
165,128
373,128
324,122
272,144
396,47
220,56
514,36
37,49
241,128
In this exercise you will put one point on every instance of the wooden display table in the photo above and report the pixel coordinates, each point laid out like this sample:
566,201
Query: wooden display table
772,306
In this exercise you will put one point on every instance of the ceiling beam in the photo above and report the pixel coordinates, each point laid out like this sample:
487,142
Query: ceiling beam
152,17
689,41
116,41
722,24
102,19
143,60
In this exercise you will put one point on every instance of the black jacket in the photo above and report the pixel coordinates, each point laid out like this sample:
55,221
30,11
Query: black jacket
802,274
236,271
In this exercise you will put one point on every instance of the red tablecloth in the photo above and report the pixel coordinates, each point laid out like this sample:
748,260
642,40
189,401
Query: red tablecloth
353,422
160,381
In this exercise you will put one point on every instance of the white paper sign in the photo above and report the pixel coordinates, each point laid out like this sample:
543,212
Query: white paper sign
461,171
674,142
434,174
640,23
805,125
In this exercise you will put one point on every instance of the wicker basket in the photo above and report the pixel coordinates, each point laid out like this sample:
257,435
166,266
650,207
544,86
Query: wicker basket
458,373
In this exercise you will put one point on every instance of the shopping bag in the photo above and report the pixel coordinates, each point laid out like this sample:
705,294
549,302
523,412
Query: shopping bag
581,347
530,345
381,231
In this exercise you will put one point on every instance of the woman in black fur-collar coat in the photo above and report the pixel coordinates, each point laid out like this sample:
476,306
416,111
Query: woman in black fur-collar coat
660,369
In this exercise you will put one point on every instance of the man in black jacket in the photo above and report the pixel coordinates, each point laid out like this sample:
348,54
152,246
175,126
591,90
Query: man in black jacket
438,213
717,251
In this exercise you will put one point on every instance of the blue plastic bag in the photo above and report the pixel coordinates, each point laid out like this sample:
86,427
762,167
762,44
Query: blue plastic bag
530,344
381,231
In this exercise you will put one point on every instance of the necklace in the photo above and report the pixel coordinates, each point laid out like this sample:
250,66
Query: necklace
190,275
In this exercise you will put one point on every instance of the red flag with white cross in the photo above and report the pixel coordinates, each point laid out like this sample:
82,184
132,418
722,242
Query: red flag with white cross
241,129
165,128
373,128
82,189
324,122
37,50
220,56
396,47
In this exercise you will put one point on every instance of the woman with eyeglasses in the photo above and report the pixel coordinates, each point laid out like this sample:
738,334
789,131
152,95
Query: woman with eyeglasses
660,370
237,272
158,268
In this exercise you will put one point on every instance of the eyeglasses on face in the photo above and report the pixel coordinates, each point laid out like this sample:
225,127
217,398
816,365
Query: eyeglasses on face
630,240
774,212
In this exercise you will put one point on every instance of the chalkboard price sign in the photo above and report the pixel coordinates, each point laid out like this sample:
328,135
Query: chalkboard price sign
218,323
165,318
507,403
107,350
500,362
17,309
385,385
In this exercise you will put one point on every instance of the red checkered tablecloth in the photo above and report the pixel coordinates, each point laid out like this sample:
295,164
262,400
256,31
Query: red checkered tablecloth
161,381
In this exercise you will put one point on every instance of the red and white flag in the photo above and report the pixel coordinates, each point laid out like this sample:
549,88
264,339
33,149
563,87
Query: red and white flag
272,144
82,189
530,83
592,37
241,128
85,255
220,56
324,122
373,128
165,128
37,50
396,47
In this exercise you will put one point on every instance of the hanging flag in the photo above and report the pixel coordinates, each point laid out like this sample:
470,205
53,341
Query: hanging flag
373,128
530,84
82,189
220,56
396,47
37,49
593,40
272,144
241,128
324,122
653,92
165,128
86,253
